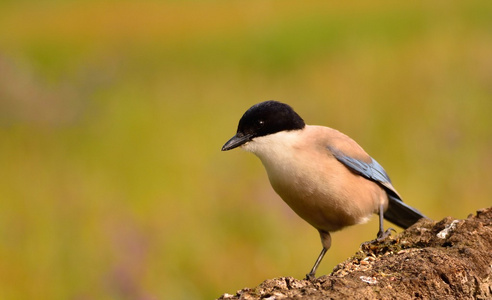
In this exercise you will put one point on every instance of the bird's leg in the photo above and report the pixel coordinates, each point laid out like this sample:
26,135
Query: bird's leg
381,233
311,275
326,242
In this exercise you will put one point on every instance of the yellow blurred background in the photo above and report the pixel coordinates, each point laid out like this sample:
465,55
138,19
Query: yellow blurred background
113,113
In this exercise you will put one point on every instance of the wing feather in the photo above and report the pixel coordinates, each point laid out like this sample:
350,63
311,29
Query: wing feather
398,212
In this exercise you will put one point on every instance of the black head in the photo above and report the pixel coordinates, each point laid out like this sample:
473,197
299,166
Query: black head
263,119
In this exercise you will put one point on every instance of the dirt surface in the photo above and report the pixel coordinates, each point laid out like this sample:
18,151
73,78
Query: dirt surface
449,259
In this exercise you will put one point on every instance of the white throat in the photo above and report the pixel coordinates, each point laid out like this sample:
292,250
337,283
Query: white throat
274,148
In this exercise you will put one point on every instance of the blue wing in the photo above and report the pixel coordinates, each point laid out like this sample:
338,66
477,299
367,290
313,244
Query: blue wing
398,212
372,171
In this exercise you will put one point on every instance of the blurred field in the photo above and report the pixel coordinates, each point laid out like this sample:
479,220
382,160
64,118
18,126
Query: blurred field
112,115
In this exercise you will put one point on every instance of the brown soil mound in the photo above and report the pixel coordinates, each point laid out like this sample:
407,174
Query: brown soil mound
450,259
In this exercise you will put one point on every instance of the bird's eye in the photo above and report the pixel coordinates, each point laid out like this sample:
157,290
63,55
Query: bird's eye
260,123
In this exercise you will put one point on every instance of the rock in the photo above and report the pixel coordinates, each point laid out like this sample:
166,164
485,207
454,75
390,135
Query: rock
449,259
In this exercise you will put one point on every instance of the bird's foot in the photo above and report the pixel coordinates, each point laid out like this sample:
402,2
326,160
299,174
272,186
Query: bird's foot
382,235
310,277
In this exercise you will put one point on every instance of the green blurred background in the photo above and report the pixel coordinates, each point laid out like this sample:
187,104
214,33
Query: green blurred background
112,116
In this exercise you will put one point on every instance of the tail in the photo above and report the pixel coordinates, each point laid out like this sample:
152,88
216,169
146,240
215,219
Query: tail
401,214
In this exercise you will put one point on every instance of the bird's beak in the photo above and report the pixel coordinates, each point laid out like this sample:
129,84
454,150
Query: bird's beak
236,141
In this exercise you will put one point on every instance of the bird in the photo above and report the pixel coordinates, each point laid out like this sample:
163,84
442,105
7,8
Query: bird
325,177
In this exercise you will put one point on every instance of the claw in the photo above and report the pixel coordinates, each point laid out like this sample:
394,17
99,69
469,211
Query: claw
383,235
310,277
